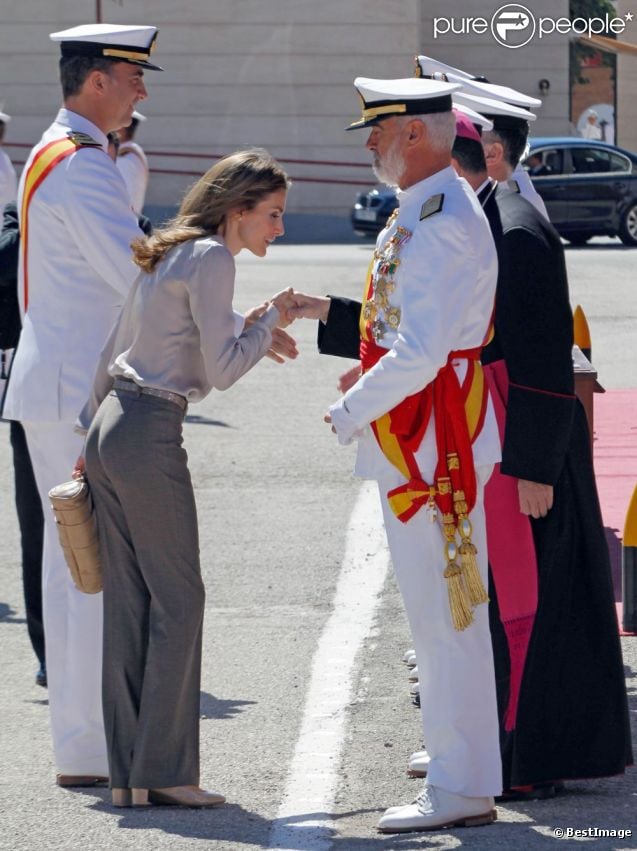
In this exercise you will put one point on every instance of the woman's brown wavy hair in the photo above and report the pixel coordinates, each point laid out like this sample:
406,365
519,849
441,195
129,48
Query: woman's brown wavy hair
237,182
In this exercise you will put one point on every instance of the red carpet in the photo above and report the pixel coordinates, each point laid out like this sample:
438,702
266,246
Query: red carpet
615,450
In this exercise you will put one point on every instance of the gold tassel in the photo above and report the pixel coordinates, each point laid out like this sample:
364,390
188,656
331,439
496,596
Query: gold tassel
461,614
472,578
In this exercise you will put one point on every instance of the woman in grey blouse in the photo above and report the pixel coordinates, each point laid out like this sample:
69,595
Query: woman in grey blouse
177,338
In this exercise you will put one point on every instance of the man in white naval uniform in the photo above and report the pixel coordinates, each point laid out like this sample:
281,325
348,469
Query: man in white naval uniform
428,308
8,179
132,163
75,272
488,98
504,147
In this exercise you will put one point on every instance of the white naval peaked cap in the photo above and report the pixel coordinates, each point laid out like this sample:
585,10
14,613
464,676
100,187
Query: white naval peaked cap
474,117
405,96
4,117
503,115
121,42
428,67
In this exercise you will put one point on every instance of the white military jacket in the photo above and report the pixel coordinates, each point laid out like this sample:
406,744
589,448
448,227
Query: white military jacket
528,191
133,166
80,270
441,299
8,181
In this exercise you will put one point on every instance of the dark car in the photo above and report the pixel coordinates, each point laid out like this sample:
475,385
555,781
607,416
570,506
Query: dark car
589,187
372,209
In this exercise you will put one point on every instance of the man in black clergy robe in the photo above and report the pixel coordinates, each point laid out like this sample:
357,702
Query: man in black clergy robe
571,719
572,714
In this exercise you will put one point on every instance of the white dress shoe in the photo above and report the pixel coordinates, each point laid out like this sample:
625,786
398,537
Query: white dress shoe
418,754
435,808
413,674
419,764
414,689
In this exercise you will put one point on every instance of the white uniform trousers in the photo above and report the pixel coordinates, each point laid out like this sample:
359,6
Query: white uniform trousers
72,620
457,679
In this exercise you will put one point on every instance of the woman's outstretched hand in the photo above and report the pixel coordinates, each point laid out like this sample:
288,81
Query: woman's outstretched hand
283,346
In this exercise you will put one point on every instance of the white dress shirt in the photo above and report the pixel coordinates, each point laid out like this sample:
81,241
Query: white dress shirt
445,291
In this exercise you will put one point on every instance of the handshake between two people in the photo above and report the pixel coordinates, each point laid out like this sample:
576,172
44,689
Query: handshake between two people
291,305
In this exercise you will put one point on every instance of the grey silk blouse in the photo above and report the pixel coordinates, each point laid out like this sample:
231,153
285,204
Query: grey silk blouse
177,329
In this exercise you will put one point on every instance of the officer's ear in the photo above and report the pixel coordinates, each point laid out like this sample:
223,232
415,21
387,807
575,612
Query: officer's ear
493,152
416,132
96,81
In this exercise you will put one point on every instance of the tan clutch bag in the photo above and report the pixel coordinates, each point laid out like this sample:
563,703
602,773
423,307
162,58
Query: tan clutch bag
73,509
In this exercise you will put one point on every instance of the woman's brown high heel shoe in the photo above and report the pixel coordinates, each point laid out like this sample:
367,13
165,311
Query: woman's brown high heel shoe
185,796
130,797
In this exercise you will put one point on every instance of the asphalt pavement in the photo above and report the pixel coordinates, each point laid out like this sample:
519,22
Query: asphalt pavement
276,500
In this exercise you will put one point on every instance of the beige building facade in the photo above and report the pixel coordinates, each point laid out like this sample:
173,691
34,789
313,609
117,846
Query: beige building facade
275,73
627,81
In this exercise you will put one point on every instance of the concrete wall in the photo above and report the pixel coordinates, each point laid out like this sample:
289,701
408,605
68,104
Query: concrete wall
276,73
627,83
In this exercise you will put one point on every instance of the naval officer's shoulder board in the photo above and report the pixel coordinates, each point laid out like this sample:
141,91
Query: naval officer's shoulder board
82,140
432,206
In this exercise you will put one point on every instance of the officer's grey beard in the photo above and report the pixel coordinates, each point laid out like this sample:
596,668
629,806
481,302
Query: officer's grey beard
391,167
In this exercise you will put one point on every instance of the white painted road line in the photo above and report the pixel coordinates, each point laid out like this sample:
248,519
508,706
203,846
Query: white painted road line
304,822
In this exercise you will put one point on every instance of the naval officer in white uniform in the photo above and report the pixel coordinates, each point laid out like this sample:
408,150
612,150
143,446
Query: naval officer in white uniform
491,99
427,312
75,272
132,163
8,179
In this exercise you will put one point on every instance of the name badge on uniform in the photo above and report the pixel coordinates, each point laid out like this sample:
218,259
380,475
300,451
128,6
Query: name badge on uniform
431,206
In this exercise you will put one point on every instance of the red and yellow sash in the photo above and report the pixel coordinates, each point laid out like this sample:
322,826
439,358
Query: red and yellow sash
41,166
459,411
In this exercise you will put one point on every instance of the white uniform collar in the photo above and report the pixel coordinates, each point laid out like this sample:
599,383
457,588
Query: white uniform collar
483,185
415,193
77,122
